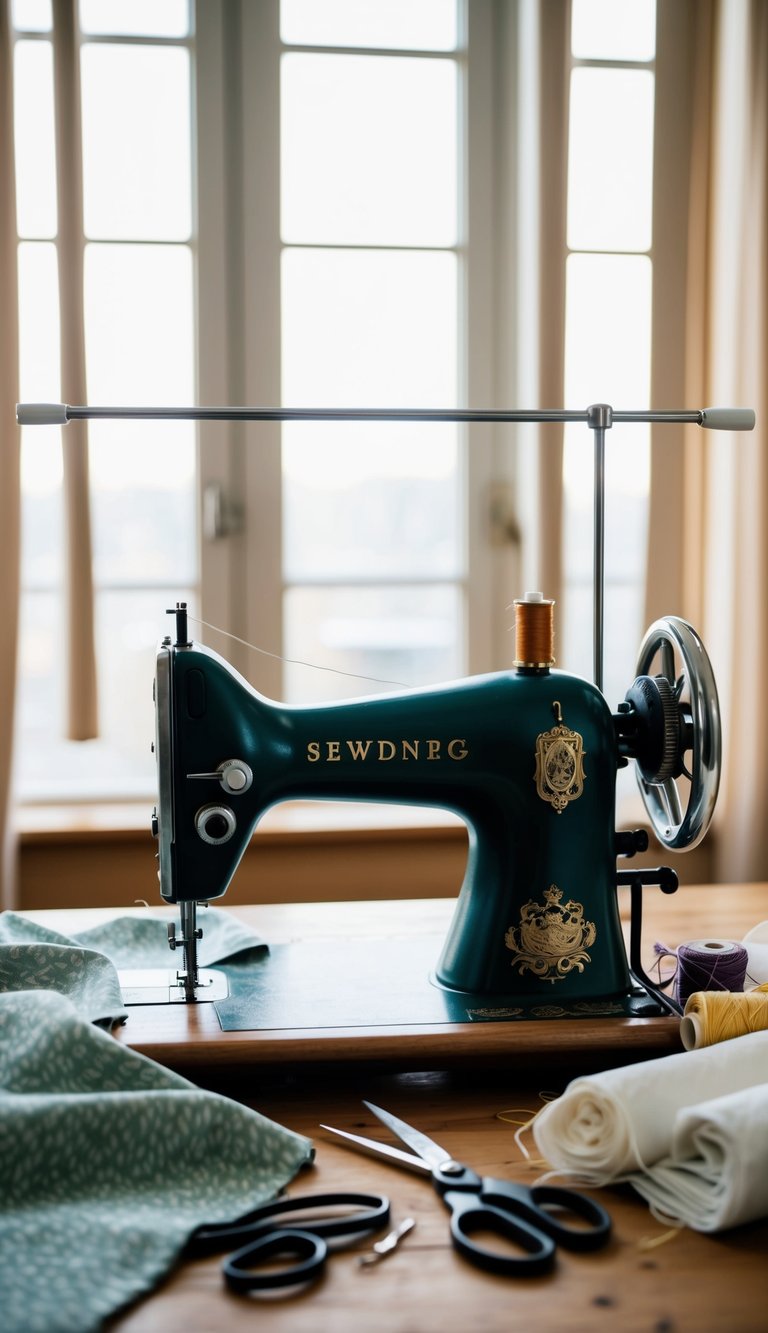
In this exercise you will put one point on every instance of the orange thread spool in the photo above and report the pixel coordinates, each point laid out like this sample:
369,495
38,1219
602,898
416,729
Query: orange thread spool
534,631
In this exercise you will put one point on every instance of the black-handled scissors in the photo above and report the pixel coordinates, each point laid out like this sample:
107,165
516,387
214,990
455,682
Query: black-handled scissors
261,1235
515,1212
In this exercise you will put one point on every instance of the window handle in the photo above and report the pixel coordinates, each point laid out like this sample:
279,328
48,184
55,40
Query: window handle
221,516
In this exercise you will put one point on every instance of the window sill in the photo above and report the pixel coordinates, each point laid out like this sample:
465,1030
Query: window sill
103,855
107,820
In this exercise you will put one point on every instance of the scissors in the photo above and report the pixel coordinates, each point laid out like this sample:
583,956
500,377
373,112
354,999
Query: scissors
506,1209
260,1236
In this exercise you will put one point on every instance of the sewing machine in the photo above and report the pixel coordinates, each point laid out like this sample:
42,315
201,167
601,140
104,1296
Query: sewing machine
527,757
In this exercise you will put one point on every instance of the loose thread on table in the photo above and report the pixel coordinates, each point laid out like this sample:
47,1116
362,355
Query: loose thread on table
653,1242
524,1125
718,965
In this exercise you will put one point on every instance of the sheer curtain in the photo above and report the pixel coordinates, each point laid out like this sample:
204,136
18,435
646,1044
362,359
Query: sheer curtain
722,491
726,556
77,581
9,458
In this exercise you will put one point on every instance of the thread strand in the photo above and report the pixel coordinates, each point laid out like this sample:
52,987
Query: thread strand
296,661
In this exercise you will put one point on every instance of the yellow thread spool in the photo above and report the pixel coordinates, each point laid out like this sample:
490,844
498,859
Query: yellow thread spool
714,1016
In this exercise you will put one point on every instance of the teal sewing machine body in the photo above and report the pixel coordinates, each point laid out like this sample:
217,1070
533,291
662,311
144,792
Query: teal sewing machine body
527,758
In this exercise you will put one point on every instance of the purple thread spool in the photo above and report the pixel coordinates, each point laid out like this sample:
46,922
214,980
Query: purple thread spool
704,965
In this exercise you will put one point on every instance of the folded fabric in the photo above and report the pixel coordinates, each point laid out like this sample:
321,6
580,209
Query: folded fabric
107,1163
716,1175
140,939
756,943
83,965
87,978
623,1120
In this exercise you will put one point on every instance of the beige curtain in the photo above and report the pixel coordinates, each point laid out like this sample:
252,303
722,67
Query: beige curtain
555,26
725,528
82,710
9,459
537,315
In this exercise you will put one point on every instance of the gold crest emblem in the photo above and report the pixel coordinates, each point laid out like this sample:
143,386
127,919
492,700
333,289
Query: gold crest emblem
559,764
551,939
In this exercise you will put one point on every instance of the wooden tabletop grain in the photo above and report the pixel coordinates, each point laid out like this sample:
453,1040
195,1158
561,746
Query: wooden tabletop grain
688,1282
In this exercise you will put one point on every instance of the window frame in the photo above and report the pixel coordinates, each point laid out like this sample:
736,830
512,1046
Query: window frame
235,82
239,250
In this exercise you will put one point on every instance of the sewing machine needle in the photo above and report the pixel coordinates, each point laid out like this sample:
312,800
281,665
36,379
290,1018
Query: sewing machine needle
387,1244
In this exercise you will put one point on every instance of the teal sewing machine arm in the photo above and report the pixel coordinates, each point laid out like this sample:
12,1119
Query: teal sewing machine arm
527,758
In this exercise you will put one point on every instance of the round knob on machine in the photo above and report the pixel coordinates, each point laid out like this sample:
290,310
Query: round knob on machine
235,775
215,824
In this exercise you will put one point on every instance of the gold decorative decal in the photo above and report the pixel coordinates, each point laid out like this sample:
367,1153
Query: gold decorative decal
551,940
503,1011
598,1009
559,764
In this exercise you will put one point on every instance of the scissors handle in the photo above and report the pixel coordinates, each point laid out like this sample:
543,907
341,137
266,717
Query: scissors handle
310,1251
262,1235
469,1215
523,1215
372,1212
579,1206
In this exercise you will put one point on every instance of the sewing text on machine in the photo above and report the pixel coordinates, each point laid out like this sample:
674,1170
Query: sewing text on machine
332,752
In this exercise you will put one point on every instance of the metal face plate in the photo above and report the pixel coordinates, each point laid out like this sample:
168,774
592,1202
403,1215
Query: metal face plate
164,756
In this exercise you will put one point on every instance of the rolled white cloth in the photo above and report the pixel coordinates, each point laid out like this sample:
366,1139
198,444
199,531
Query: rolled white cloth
756,944
608,1125
716,1175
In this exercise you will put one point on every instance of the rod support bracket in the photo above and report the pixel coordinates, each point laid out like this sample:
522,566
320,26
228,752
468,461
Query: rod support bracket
600,416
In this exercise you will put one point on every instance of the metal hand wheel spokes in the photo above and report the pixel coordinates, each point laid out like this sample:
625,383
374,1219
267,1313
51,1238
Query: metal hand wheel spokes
698,719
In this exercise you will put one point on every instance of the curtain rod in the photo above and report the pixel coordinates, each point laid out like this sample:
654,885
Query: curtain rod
599,418
58,414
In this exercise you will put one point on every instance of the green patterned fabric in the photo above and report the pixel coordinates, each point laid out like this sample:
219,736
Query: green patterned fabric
88,978
82,966
107,1160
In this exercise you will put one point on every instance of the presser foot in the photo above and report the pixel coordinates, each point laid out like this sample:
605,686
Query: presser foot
161,985
185,985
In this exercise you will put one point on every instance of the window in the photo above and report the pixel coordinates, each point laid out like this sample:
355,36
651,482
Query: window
373,550
608,320
314,204
138,319
348,547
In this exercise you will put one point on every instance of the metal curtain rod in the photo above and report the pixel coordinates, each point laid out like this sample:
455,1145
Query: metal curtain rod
599,418
58,414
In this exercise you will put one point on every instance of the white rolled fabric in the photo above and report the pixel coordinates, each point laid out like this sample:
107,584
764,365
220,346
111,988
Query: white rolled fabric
608,1125
716,1175
756,945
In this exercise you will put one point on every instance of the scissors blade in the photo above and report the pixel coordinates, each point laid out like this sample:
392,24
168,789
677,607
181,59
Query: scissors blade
429,1151
375,1149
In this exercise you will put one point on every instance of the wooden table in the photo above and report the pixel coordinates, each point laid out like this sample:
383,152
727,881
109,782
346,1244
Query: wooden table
690,1282
189,1037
